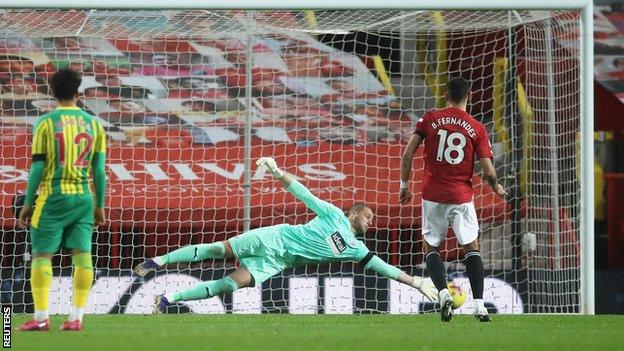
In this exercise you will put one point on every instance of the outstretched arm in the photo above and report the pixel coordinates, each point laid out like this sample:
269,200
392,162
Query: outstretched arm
425,286
317,205
406,167
286,180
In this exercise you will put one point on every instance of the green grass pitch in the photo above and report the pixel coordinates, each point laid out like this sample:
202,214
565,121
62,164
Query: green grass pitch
327,332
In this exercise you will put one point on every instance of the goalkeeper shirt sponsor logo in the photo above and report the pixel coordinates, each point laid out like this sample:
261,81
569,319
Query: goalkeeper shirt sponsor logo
336,243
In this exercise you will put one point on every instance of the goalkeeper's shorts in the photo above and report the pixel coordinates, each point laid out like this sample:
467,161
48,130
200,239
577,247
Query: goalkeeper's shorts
62,221
262,252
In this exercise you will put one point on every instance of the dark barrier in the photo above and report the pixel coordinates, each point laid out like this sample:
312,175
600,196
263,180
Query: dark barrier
609,292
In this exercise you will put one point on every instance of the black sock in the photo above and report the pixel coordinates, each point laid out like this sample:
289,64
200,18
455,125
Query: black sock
474,270
435,268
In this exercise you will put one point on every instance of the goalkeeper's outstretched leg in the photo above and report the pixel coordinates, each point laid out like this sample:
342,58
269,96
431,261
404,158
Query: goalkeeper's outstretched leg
240,278
190,253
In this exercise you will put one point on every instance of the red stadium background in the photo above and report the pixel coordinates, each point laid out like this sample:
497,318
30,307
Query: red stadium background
175,114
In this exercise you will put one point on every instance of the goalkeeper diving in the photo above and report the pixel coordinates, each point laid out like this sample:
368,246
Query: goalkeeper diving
265,252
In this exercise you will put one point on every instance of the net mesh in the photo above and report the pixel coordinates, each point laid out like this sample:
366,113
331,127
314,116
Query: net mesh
334,96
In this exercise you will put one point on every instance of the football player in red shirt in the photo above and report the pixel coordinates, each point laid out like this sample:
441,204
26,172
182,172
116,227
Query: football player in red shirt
453,138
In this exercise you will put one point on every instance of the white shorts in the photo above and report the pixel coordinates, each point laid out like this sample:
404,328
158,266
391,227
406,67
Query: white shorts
437,217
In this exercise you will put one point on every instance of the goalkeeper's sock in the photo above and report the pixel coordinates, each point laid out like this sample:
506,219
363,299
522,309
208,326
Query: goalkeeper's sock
204,290
474,270
83,279
40,283
192,253
435,268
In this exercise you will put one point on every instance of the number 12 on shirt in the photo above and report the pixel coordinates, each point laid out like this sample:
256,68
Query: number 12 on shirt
81,160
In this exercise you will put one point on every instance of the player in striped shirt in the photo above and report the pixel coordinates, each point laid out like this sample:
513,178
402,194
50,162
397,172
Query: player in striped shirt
68,145
264,252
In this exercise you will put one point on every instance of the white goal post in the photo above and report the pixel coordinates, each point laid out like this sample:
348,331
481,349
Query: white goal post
585,86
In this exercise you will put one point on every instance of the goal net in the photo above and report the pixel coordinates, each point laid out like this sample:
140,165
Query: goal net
189,99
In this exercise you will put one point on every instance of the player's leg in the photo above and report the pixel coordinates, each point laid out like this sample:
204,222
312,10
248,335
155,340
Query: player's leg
257,250
466,227
190,253
77,236
194,253
240,278
434,227
474,270
246,244
40,283
82,276
437,273
45,236
435,266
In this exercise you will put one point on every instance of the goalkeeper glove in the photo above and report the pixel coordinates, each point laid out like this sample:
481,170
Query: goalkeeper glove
270,165
426,287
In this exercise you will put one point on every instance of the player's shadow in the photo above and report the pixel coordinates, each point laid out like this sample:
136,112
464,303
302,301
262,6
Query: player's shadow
434,307
178,308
